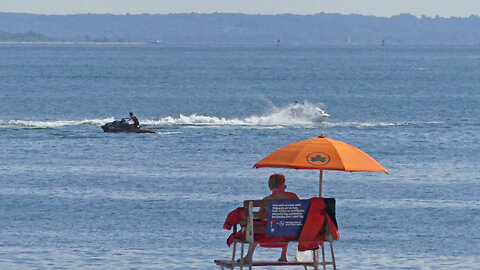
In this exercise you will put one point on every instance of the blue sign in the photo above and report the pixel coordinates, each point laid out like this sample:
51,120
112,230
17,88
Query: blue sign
286,217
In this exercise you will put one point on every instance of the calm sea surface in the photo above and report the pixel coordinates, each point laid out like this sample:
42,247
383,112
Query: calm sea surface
73,197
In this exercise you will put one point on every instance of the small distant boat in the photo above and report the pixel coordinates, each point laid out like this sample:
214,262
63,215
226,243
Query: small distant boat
157,42
124,126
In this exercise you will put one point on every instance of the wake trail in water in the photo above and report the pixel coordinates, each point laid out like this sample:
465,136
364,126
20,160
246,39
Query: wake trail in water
294,115
54,124
291,115
212,121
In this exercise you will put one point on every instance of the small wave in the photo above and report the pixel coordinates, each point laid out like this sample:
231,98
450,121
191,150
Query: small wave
55,124
169,133
381,124
416,203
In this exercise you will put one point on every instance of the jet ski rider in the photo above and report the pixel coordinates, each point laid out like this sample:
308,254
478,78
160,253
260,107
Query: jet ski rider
132,117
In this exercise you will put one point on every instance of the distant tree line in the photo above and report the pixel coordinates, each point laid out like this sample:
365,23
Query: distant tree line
87,38
24,37
37,37
243,29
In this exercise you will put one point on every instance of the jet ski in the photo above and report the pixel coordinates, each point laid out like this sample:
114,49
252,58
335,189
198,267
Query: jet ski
124,126
307,112
319,115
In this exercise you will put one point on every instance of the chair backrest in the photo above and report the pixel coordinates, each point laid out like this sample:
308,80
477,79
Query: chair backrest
330,207
279,217
256,213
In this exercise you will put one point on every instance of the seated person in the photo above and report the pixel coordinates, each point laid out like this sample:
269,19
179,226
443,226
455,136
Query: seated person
276,183
134,118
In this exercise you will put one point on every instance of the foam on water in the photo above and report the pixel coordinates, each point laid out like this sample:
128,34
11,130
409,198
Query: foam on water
291,115
304,114
54,124
296,114
275,120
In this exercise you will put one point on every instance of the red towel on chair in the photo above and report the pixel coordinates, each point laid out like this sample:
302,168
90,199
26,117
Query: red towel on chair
238,214
309,237
234,217
262,239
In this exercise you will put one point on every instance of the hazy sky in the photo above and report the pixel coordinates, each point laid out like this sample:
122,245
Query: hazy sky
387,8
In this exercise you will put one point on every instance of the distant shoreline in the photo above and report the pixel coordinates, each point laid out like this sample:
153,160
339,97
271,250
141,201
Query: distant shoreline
67,43
232,28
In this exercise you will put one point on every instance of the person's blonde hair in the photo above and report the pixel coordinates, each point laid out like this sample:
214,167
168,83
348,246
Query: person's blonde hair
276,180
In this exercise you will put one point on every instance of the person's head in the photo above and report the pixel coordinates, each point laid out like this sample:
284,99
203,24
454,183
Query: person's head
276,181
131,113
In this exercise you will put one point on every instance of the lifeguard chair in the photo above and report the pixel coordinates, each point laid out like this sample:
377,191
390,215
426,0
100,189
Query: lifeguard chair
280,222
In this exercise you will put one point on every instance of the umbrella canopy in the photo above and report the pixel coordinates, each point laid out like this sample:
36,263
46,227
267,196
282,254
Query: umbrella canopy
321,154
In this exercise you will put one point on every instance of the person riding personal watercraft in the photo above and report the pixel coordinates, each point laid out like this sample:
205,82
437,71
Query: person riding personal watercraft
124,126
134,118
307,112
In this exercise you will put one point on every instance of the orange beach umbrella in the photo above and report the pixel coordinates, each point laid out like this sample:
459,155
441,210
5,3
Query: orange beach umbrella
321,154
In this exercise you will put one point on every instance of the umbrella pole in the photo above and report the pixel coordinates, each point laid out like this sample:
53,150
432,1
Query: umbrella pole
320,184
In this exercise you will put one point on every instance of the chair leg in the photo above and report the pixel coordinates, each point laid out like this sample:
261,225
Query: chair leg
333,256
323,257
315,259
241,256
233,254
251,257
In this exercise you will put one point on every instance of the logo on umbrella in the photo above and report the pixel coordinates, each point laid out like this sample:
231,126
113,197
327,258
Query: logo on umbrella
318,158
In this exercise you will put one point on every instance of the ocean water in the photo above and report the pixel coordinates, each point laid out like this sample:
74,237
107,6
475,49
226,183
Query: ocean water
73,197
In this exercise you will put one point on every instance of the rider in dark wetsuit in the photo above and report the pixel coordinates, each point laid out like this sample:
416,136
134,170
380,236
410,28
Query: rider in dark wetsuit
136,123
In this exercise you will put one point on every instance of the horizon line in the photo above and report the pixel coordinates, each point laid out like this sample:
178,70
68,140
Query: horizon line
242,13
